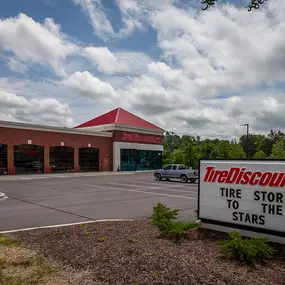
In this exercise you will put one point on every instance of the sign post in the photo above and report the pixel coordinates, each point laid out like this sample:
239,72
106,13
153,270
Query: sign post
248,195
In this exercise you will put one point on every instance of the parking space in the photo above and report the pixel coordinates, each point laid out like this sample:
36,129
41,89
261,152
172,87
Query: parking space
41,200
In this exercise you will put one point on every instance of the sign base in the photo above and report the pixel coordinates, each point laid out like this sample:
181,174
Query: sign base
245,233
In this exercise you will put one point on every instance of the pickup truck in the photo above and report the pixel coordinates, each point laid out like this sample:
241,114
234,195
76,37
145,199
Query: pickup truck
176,171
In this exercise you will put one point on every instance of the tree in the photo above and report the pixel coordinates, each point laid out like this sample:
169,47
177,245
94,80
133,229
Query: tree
251,148
278,150
236,151
253,4
260,155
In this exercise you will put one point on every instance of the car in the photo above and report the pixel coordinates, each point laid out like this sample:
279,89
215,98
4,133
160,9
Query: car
177,171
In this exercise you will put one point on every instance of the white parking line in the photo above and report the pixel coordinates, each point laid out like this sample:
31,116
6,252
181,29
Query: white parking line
153,187
139,191
66,225
166,184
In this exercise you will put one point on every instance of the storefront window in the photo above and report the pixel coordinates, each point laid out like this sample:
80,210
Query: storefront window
128,160
149,160
132,160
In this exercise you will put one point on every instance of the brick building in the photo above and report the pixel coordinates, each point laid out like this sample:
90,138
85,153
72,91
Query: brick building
115,140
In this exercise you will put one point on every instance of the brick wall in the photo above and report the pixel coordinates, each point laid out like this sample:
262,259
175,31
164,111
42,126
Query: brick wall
13,136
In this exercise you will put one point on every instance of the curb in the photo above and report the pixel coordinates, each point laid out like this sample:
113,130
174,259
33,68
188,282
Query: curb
65,225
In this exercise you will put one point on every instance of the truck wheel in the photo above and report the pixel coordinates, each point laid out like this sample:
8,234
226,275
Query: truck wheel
183,178
192,180
158,176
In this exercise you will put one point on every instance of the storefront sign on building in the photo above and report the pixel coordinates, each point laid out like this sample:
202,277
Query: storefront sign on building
245,194
133,137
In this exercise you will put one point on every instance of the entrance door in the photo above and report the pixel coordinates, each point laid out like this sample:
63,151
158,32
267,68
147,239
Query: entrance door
28,158
89,159
61,159
3,159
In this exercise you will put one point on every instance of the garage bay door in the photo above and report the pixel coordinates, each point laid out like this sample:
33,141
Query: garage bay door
61,159
28,158
3,159
89,159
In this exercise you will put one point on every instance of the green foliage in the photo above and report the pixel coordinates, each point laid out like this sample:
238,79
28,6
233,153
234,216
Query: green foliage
248,250
7,241
161,212
236,151
188,150
259,155
253,4
164,219
278,149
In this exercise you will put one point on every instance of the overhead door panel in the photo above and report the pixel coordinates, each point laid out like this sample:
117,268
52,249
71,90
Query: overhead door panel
3,159
89,159
61,159
28,158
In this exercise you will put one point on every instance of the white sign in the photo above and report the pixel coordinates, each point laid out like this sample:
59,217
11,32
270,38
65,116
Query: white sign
243,192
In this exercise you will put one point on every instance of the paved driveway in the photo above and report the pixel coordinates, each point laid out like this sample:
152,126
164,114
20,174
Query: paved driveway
35,201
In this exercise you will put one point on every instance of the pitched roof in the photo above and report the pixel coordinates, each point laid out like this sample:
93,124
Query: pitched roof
120,116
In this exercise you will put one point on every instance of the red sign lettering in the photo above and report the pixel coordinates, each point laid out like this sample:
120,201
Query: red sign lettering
236,175
132,137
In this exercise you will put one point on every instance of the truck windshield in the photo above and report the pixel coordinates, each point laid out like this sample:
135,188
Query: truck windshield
181,167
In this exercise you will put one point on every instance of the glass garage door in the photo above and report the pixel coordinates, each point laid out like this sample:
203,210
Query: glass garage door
89,159
3,159
28,158
61,159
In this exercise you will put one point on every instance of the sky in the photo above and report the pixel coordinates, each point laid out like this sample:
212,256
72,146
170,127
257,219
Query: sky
202,73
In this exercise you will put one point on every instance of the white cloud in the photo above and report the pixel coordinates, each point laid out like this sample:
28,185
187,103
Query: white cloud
30,41
95,12
207,75
46,111
85,85
117,62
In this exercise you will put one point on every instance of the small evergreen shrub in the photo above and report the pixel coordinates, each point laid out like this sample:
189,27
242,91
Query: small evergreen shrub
249,250
164,219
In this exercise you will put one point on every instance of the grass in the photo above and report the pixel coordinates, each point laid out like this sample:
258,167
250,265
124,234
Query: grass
21,266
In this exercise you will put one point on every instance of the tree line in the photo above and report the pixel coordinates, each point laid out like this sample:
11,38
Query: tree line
188,149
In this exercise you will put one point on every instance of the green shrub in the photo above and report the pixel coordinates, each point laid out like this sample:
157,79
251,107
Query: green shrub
248,250
161,212
164,219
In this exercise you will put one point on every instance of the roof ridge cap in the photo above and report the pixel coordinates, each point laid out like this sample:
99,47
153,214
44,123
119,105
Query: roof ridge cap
117,116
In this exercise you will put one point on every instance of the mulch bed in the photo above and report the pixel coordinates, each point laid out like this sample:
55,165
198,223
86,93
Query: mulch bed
132,253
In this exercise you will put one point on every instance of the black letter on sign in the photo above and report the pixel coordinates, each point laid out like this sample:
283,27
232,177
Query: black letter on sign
261,220
235,205
256,195
235,218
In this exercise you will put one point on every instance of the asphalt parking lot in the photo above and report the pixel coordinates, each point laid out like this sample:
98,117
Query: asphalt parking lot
35,201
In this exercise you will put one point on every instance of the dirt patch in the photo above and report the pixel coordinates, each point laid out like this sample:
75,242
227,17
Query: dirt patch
131,253
25,266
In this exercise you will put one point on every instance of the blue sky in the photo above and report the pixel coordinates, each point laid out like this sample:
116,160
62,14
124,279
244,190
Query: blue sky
202,73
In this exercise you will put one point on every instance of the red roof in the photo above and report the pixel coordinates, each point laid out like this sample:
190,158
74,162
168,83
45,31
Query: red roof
120,116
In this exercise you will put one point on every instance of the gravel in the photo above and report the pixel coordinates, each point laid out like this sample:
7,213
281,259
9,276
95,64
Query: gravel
125,253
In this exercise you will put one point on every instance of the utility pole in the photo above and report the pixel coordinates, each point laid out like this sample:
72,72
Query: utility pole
190,157
247,139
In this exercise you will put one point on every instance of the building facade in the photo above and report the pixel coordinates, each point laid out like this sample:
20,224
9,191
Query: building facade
117,140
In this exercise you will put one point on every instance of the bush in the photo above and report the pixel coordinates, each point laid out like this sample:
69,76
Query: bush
164,219
248,250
